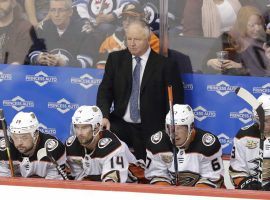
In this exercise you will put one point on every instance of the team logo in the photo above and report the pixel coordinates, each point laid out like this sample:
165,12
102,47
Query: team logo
201,113
224,140
70,140
102,143
44,129
86,81
251,144
63,106
65,55
188,86
41,78
222,88
3,144
156,138
51,144
150,11
265,89
167,158
208,139
244,115
101,6
5,77
18,103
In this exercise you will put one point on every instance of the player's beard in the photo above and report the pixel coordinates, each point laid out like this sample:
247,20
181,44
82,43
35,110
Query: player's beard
85,141
26,151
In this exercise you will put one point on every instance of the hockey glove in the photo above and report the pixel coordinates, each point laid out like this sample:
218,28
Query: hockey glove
249,183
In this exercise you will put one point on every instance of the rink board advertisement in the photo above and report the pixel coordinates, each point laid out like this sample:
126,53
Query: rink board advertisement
54,93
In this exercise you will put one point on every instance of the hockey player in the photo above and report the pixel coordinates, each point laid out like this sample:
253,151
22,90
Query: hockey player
25,144
96,154
244,163
198,153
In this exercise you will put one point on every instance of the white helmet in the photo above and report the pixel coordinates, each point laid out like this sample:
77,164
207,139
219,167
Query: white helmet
24,122
183,115
88,115
265,101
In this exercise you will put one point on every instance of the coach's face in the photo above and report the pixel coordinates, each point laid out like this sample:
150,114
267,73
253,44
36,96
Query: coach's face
137,39
60,14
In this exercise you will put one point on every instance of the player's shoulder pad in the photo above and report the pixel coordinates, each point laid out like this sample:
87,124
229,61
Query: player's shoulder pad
106,144
73,147
204,143
251,130
3,146
159,142
70,140
54,146
15,154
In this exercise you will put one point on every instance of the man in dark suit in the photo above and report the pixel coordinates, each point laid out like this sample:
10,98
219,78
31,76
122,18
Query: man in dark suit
135,81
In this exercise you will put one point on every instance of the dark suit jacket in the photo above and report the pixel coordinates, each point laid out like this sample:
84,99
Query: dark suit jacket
117,84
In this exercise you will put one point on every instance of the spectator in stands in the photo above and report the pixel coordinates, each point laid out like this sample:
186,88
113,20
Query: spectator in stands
61,40
116,42
245,168
96,154
209,18
152,12
31,150
15,40
247,39
197,153
101,16
135,82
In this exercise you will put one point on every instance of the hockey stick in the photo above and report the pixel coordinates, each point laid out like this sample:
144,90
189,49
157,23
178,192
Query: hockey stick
252,101
43,152
170,95
4,127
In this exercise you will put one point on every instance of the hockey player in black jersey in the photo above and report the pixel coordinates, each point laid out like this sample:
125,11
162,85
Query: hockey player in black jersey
26,141
244,166
198,153
96,154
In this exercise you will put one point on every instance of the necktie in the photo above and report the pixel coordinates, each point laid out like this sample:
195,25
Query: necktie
134,97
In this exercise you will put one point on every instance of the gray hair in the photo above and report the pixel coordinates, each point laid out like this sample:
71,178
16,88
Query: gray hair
143,24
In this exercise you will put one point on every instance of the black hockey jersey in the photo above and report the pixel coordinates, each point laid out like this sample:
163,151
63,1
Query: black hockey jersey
245,155
199,164
26,166
75,46
109,161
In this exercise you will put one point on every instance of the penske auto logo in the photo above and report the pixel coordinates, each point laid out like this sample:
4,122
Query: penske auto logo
5,77
18,103
264,89
244,115
41,78
222,88
63,106
201,113
86,81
